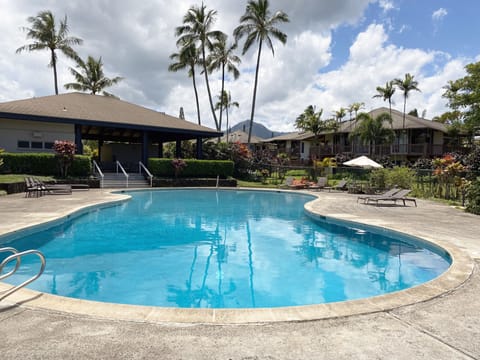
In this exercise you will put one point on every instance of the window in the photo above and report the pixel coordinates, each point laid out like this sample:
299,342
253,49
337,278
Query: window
37,145
23,144
48,145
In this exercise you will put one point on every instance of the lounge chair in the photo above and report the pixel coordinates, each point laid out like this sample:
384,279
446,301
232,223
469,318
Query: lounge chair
32,188
388,193
399,196
320,184
53,189
341,185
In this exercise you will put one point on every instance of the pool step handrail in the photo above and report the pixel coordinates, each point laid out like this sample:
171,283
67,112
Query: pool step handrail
96,167
17,265
17,256
149,174
119,166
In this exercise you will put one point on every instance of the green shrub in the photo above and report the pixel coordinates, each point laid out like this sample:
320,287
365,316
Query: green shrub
379,178
473,197
193,168
401,177
43,164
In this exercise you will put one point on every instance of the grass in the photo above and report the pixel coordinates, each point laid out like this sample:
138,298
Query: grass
14,178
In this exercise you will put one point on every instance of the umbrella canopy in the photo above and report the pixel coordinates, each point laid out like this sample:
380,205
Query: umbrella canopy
363,162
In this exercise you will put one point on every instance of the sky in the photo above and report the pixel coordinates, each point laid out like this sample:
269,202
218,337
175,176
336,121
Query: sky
337,53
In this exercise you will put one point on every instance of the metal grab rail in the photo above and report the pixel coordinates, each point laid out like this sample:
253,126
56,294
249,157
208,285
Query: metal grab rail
17,256
14,251
97,167
150,176
123,170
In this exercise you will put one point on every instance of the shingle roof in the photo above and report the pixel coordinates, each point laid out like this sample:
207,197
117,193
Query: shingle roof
98,110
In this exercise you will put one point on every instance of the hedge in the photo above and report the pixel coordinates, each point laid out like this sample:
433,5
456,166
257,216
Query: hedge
43,164
194,168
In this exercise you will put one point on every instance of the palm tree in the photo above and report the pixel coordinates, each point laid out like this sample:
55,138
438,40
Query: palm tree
222,57
386,93
196,28
340,114
406,85
355,107
372,131
225,102
258,25
45,37
187,58
310,120
91,77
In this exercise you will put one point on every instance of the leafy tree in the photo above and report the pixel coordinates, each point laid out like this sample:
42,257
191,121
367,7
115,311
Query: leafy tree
259,25
187,58
225,102
197,29
90,77
406,85
65,152
386,93
223,57
463,95
473,197
45,37
372,131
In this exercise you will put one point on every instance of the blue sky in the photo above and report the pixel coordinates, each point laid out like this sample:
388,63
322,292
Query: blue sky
337,53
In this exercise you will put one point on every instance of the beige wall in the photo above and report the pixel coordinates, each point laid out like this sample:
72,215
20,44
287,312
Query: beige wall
39,133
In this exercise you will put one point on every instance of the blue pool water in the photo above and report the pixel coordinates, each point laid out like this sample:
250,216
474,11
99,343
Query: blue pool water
221,249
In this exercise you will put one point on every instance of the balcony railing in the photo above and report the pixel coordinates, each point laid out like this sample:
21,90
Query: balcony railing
394,149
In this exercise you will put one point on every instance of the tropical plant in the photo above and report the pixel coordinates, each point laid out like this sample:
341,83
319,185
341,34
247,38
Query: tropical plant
65,152
225,102
44,34
310,121
1,159
90,77
406,85
257,24
223,57
372,131
473,197
386,93
178,166
197,29
340,114
355,107
187,58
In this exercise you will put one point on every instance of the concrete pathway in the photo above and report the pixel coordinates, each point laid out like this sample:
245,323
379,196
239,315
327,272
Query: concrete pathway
445,327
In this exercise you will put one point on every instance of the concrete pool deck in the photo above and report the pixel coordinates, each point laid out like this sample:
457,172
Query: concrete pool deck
441,321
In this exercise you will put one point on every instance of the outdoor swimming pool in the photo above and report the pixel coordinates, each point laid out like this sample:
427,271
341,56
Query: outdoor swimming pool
222,249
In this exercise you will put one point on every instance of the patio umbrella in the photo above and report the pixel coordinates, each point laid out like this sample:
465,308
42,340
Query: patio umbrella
363,162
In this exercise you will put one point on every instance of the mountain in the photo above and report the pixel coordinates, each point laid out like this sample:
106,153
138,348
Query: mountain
257,130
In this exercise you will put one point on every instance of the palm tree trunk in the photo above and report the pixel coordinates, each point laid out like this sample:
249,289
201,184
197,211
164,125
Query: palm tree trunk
221,99
208,86
226,113
196,95
54,66
254,92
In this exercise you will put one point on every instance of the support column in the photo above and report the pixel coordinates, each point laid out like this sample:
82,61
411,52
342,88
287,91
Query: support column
199,148
160,149
145,154
78,139
178,149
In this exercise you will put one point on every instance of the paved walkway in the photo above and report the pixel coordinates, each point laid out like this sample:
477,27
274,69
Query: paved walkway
445,327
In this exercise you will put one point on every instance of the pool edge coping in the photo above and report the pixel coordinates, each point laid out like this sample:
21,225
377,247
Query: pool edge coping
456,275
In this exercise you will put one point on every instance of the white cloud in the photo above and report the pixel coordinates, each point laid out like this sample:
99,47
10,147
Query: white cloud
386,5
439,14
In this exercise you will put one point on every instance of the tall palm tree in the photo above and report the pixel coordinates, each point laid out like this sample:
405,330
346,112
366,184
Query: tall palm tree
310,120
225,102
406,85
91,78
355,107
187,58
386,93
197,28
223,57
45,37
372,131
340,114
258,25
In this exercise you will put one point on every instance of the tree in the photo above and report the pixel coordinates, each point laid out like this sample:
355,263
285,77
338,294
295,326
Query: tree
340,114
258,25
406,85
65,153
310,121
386,93
372,131
223,57
187,58
91,78
225,102
45,37
197,29
463,95
355,107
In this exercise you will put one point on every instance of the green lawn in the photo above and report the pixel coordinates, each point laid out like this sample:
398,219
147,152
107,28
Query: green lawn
14,178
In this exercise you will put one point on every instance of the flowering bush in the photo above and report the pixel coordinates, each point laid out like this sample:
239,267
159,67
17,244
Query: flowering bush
65,152
448,172
178,165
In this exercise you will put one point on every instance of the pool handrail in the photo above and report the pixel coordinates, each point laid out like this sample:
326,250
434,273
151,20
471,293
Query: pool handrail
97,168
149,174
118,165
